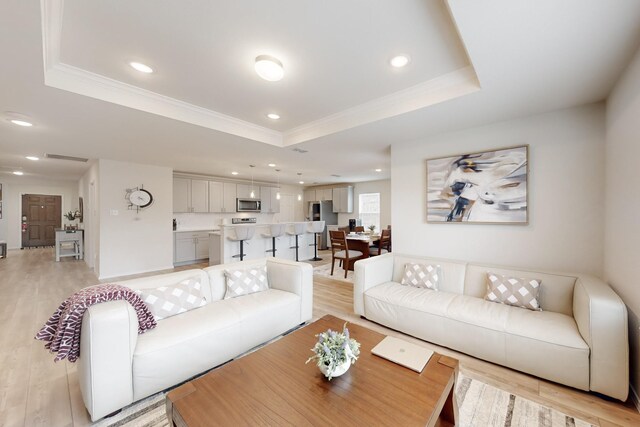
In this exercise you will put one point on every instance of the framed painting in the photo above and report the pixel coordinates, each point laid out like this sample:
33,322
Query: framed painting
487,187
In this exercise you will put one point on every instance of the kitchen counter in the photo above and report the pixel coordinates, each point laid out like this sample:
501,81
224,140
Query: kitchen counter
187,230
222,250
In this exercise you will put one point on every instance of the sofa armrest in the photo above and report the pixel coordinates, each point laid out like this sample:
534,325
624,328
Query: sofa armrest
294,277
368,273
107,341
601,317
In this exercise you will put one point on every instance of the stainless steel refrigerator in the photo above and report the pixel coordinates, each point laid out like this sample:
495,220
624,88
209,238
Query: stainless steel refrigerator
323,211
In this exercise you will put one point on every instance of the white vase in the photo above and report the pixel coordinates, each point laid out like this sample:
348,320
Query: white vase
339,370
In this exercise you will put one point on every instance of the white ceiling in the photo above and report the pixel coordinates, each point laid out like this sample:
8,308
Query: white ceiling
529,57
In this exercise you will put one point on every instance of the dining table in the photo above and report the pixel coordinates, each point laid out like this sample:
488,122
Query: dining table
361,242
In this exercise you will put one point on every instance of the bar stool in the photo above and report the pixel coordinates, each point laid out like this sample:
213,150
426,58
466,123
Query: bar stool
242,233
298,229
3,249
275,230
315,227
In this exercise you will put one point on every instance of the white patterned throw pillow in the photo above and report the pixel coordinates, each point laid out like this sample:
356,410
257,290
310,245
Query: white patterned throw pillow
514,291
422,276
167,301
246,281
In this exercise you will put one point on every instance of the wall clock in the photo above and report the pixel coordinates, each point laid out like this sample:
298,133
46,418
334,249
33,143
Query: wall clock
138,198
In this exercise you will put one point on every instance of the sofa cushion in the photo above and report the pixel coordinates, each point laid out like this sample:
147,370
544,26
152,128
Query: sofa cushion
515,291
169,300
419,299
478,312
422,275
453,272
246,281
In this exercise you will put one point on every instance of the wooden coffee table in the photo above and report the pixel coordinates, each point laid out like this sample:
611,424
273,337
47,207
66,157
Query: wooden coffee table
273,386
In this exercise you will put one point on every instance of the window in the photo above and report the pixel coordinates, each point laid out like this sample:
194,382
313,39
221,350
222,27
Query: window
369,209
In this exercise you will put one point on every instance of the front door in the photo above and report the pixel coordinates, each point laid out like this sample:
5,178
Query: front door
41,215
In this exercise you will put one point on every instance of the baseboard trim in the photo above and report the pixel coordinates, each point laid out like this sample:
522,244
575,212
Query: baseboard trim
635,398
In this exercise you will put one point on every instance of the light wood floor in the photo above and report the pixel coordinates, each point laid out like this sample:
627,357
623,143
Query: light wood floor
35,391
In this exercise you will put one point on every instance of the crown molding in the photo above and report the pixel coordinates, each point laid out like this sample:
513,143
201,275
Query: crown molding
73,79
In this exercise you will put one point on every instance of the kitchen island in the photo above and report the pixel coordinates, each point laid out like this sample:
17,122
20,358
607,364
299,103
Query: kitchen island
222,250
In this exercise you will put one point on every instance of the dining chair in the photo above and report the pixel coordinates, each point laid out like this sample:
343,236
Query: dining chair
383,245
359,229
340,251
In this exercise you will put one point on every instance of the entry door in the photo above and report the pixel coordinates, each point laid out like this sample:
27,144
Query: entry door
41,215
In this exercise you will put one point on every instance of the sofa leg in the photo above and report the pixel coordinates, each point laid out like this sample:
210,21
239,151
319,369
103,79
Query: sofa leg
113,413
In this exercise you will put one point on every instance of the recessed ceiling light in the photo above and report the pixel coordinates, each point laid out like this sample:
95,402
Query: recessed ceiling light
301,182
21,123
34,158
272,165
273,116
18,173
234,173
378,170
399,61
141,67
269,68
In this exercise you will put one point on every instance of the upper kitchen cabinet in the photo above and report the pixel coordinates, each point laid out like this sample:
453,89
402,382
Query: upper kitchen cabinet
310,196
190,195
324,195
222,197
343,199
244,191
269,200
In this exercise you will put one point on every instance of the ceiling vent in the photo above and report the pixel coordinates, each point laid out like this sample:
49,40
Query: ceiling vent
300,150
336,176
71,158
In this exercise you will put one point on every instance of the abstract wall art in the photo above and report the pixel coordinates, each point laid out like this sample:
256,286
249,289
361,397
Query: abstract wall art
488,187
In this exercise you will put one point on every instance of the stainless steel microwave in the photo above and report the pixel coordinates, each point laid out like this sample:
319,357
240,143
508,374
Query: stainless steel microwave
247,205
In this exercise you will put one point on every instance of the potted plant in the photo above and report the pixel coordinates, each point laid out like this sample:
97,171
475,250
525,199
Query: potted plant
335,352
72,216
372,228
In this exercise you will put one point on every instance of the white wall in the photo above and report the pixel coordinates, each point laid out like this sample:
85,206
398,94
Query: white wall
3,220
88,190
211,220
566,194
133,242
622,226
12,191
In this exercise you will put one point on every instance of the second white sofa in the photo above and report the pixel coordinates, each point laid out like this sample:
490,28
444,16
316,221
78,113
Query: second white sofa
579,339
118,367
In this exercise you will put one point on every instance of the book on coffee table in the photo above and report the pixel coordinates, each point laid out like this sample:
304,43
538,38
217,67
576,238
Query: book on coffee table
403,353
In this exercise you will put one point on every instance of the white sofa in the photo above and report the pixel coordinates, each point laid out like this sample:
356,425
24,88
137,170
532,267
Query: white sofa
117,366
579,339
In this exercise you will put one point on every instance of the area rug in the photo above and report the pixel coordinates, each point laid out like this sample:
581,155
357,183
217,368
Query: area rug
479,404
338,273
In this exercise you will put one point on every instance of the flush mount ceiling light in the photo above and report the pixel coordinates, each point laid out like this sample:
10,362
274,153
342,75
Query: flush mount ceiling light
22,123
301,182
269,68
234,173
399,61
273,116
18,173
34,158
378,170
141,67
272,165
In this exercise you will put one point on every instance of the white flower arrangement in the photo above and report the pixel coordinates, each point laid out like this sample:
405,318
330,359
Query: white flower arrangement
333,350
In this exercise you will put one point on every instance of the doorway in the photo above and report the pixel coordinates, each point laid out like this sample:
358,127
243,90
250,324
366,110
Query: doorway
41,215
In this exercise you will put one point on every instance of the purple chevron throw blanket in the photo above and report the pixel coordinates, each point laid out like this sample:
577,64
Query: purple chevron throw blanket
62,330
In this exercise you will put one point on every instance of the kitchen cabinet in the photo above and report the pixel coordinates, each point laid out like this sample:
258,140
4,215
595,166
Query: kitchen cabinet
269,200
190,247
310,196
222,197
324,195
343,199
190,195
244,191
